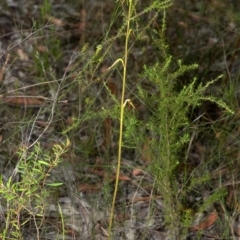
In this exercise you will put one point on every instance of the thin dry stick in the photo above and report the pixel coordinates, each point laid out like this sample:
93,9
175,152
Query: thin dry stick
4,67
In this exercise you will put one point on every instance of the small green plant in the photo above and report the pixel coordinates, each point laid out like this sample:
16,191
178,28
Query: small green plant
27,196
170,127
168,123
49,53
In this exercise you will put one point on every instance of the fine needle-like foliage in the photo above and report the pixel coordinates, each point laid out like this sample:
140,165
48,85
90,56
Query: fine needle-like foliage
170,127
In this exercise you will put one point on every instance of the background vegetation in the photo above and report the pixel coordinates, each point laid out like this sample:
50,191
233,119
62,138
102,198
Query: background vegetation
119,120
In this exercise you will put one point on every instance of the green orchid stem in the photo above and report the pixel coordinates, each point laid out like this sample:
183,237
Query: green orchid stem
128,31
